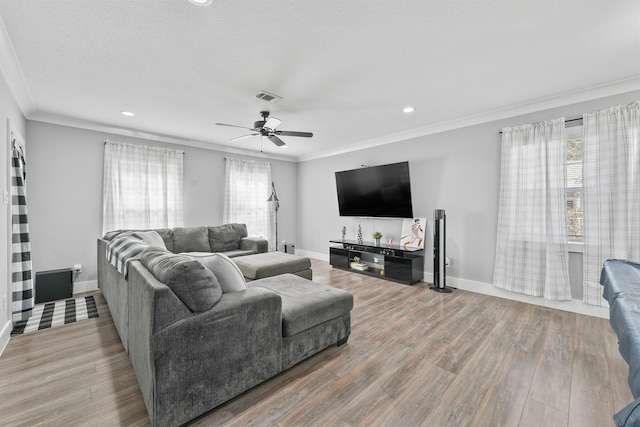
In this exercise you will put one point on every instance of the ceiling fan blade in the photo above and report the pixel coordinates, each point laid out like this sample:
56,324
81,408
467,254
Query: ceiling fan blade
238,138
234,126
294,133
272,123
276,140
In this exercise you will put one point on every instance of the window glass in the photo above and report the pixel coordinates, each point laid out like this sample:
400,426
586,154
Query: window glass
575,215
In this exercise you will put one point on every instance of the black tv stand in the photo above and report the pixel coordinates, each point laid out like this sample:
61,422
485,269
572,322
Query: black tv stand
396,263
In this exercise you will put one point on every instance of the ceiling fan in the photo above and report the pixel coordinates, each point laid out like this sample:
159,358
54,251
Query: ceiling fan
267,127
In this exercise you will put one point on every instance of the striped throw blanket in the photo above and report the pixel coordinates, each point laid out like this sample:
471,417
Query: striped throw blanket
123,248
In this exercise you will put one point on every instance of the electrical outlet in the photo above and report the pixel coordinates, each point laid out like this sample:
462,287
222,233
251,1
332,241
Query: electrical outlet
77,268
447,262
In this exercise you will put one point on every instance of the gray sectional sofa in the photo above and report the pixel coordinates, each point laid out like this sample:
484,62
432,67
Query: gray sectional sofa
195,340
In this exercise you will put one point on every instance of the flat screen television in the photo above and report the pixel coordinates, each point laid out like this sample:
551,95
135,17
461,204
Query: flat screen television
377,191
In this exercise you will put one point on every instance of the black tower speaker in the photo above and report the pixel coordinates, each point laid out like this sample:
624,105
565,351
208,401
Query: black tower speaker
439,251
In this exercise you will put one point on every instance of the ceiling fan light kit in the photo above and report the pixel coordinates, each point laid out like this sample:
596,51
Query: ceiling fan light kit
268,127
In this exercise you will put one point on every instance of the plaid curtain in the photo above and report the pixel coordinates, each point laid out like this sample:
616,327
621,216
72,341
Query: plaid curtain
142,187
246,190
532,254
611,174
21,274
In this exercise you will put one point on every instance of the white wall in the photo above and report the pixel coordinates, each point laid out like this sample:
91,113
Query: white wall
458,171
10,116
65,194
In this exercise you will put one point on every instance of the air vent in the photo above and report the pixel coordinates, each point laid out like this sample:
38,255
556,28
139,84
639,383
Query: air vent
269,97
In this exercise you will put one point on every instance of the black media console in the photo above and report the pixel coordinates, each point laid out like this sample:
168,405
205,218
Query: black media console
400,264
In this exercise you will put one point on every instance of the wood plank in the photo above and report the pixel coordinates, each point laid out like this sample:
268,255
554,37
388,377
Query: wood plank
591,402
551,384
538,414
506,398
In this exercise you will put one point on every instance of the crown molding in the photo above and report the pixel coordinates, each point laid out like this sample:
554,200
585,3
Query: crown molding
13,75
62,120
575,97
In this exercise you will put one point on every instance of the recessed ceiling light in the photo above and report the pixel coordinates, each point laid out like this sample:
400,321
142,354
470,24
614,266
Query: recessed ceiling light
408,110
201,2
127,113
284,146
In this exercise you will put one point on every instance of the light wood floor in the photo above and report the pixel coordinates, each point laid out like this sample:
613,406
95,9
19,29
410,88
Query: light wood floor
415,357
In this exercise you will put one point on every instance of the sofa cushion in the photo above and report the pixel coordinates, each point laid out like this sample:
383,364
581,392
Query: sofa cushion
196,286
269,264
305,304
190,239
237,253
167,237
226,271
223,238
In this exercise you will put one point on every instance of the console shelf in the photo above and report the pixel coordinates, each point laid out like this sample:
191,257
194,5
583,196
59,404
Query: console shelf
394,262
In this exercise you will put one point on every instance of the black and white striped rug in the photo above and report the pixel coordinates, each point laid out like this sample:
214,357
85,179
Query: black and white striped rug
57,313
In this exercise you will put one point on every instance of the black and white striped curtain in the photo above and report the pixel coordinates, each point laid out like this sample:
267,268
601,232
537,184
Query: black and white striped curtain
21,271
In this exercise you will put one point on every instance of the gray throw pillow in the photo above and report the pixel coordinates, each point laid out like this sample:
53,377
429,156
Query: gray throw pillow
226,271
190,239
223,238
196,286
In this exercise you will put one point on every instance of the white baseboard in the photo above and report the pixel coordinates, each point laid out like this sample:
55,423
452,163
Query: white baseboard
314,255
5,335
88,286
573,306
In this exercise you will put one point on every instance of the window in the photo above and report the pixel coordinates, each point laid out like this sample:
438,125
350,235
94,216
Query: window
142,187
247,187
575,214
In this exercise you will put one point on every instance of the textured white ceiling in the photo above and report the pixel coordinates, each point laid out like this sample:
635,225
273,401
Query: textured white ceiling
345,68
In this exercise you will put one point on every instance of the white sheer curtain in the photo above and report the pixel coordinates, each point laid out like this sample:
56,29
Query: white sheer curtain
142,187
611,192
532,250
247,188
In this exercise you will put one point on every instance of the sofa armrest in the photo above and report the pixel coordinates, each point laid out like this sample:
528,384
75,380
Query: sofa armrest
188,363
207,359
256,244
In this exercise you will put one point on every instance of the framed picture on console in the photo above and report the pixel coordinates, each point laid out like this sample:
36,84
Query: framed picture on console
412,235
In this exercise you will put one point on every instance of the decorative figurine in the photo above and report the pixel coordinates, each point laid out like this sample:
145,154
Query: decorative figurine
344,233
359,234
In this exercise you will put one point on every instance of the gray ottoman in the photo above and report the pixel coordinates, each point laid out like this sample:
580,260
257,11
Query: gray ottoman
270,264
314,316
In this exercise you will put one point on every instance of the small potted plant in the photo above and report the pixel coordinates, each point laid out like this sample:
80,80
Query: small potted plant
377,235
